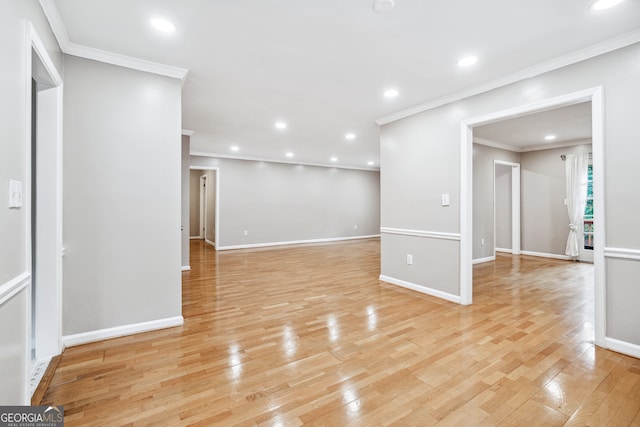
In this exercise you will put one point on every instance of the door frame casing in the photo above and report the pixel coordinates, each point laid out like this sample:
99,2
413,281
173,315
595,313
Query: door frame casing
216,239
48,324
593,95
202,190
515,206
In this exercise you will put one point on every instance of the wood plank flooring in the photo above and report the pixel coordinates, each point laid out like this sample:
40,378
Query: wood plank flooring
308,336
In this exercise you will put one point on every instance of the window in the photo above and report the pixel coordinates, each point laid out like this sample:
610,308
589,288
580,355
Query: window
588,211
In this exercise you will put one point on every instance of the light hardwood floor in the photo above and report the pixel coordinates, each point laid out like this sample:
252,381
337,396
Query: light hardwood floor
308,335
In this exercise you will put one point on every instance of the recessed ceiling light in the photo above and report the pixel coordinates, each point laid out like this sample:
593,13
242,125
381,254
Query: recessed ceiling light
604,4
549,137
383,6
467,61
163,25
289,154
281,125
391,93
350,136
370,163
235,148
334,159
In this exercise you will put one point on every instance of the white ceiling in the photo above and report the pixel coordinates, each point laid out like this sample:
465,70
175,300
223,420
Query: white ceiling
322,66
569,125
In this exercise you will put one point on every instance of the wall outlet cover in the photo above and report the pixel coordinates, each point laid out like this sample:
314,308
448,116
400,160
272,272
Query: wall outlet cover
15,194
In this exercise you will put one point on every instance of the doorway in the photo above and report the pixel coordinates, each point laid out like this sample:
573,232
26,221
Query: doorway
204,205
506,207
44,207
594,96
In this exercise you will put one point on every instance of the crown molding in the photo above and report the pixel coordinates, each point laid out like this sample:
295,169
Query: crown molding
502,146
556,145
52,13
495,144
287,162
592,51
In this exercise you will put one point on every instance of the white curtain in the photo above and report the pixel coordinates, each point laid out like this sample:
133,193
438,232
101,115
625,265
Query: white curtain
576,180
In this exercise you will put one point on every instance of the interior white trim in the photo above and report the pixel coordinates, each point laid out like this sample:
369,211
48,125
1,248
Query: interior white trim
295,242
621,253
120,331
483,260
422,289
495,144
597,49
286,162
195,238
501,146
420,233
546,255
13,287
504,250
186,268
47,327
67,46
595,95
623,347
209,242
187,132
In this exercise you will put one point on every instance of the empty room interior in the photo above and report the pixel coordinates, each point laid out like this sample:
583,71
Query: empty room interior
321,213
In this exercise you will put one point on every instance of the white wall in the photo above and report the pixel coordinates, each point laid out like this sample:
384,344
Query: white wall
14,307
122,197
277,202
420,157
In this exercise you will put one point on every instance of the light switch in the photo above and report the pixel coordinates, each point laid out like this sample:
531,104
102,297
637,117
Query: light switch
445,199
15,194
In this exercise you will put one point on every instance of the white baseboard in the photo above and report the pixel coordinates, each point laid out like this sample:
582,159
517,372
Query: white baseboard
623,347
120,331
543,255
506,251
421,289
186,267
296,242
195,238
481,260
210,242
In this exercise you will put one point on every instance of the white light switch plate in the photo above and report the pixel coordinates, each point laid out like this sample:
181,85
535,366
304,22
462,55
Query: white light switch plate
445,199
15,194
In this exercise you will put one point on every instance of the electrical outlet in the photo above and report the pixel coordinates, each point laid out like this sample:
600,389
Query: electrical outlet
481,242
355,227
409,259
246,233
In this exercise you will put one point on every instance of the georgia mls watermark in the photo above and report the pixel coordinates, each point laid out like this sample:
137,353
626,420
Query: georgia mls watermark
31,416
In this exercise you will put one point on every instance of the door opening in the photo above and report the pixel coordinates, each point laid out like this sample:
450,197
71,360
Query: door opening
207,181
44,208
506,212
594,96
